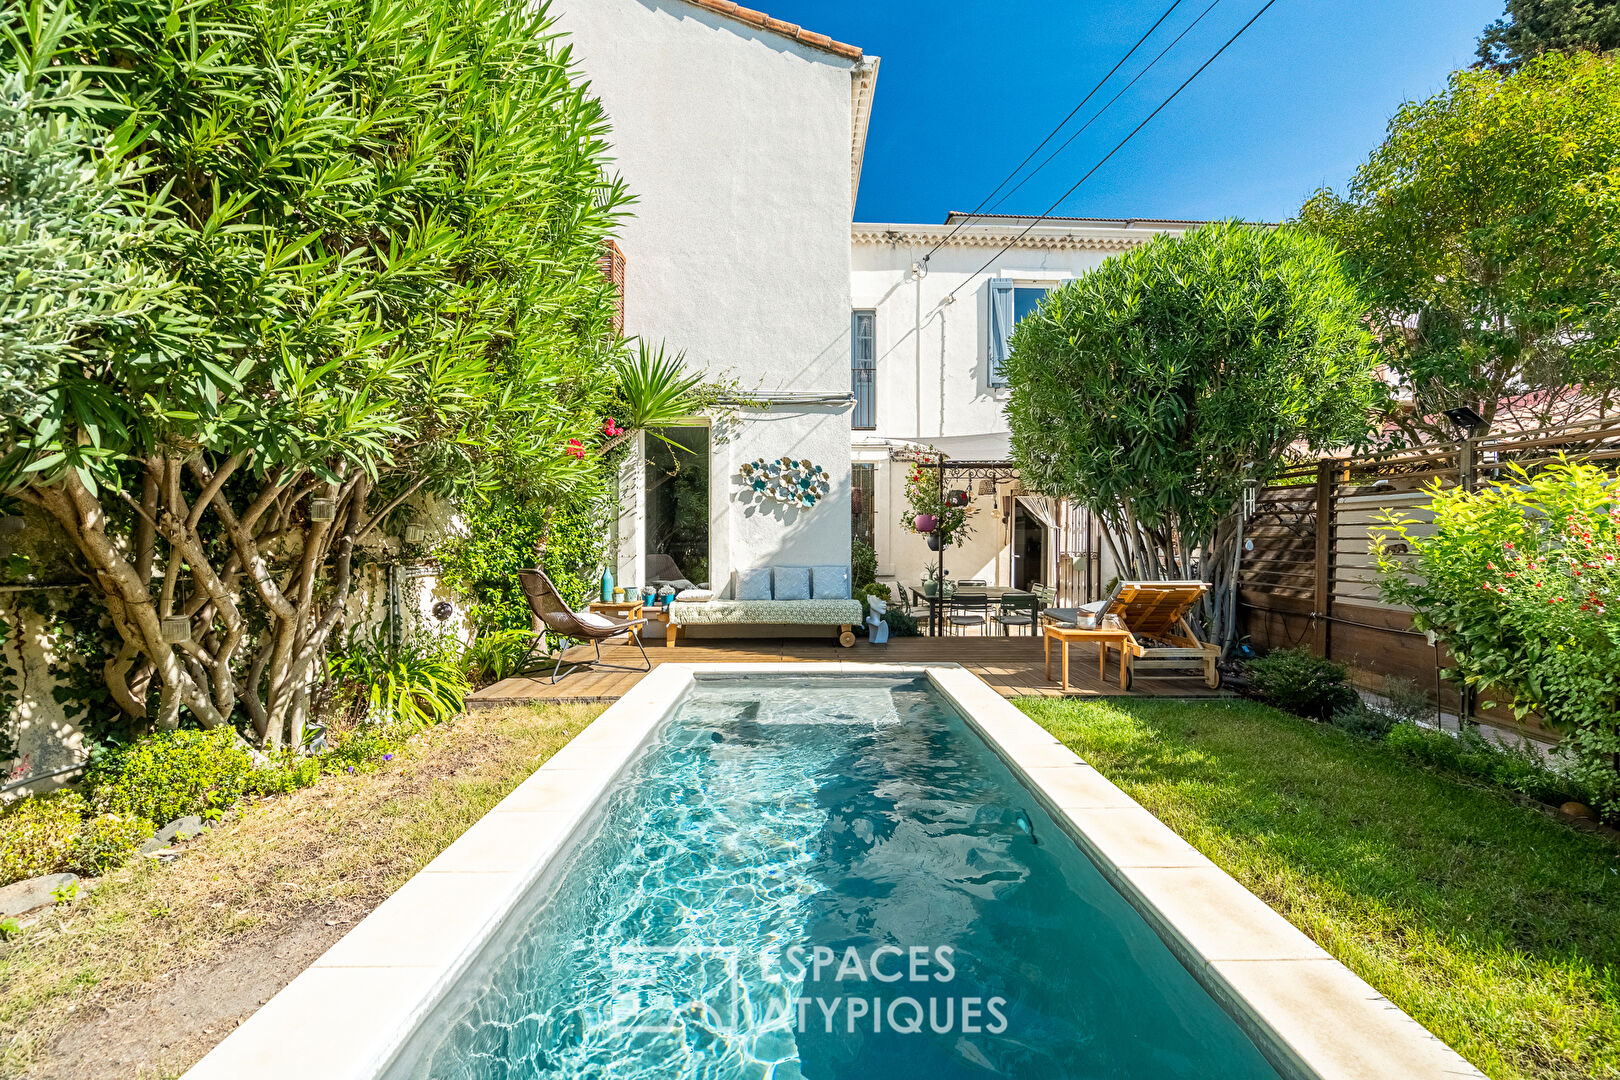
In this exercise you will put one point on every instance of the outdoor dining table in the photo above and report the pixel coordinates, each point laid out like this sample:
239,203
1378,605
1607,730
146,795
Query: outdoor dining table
992,593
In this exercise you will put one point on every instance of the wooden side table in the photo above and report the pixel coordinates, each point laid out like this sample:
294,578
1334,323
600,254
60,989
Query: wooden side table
621,609
1105,640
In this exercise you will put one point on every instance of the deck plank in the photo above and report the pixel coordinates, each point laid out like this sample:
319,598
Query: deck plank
1010,665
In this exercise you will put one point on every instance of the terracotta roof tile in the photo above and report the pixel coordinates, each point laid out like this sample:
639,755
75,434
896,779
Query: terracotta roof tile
777,26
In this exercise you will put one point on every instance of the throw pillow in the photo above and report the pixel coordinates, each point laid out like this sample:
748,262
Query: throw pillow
693,596
829,582
753,584
594,621
790,583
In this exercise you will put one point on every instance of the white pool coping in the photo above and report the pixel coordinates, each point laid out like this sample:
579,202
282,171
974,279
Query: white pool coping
348,1014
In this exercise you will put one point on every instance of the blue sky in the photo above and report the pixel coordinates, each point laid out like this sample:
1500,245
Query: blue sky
968,87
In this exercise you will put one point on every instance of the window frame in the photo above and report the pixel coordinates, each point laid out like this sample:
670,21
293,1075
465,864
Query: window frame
864,415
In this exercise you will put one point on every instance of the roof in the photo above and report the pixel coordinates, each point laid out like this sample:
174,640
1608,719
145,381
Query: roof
776,26
956,217
1053,234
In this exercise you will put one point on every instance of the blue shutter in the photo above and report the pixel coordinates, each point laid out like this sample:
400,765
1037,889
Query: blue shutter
1001,326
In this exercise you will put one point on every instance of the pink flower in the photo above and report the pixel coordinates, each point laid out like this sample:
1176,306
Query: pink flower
612,428
574,449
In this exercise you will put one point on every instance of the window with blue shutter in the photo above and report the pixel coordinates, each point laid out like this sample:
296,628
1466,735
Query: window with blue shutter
1009,304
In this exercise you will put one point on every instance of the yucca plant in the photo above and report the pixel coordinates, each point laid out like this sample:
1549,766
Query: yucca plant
656,389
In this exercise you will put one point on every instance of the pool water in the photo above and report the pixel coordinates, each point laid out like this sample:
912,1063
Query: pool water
828,879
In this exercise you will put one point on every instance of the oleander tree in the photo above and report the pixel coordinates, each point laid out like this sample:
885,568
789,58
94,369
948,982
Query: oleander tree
376,225
1153,388
1485,234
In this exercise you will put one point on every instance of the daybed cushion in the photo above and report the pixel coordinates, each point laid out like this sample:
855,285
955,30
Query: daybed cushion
799,612
1085,616
753,584
790,583
829,582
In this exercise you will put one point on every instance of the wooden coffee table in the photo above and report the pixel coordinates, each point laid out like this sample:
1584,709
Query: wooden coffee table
618,609
1104,638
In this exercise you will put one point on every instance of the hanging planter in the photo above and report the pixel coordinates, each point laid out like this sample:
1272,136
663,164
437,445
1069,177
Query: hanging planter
176,629
933,541
925,523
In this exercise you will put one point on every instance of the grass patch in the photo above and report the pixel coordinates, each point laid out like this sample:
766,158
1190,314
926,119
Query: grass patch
1494,926
317,859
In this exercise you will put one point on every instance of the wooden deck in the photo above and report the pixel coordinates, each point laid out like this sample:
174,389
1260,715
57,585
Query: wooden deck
1012,665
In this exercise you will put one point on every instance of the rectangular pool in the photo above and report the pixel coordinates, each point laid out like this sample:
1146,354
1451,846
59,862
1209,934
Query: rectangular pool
827,878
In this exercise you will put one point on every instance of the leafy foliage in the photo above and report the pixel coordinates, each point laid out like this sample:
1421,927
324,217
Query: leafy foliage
381,222
108,840
502,536
170,775
1532,27
495,654
1300,682
1522,582
1486,234
862,564
37,835
1152,388
411,684
1470,754
952,524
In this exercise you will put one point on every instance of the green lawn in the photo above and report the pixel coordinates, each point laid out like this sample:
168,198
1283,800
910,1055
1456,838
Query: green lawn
1495,926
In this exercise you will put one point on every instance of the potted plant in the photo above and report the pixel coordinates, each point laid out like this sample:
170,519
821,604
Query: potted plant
943,521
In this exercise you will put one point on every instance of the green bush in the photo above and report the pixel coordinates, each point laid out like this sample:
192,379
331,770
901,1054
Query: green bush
495,654
285,776
864,592
1301,682
107,841
1367,721
862,564
501,536
171,774
1468,753
37,835
901,623
1522,583
416,683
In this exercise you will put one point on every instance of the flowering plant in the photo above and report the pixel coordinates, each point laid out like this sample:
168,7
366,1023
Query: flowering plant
1522,583
923,497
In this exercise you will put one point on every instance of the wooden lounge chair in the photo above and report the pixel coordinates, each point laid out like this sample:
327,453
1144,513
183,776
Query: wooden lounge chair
548,611
1155,610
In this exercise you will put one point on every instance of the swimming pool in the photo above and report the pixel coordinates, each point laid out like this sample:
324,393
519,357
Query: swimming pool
704,862
829,879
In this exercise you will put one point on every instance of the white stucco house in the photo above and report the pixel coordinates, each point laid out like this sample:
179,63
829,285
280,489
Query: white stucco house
929,325
742,138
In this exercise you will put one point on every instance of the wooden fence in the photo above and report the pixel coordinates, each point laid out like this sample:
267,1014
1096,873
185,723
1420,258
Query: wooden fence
1307,575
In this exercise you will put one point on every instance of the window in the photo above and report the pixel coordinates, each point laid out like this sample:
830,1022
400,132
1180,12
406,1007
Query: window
863,369
863,502
1009,303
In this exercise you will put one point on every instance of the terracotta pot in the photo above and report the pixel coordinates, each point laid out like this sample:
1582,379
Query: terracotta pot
925,523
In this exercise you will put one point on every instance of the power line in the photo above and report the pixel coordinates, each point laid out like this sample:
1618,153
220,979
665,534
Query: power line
1066,143
1117,146
1050,135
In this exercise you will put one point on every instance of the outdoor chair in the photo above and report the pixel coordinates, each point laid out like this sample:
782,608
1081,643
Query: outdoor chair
966,611
1017,609
550,613
1147,622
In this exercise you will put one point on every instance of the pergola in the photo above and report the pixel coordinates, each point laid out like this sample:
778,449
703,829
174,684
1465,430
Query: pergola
945,469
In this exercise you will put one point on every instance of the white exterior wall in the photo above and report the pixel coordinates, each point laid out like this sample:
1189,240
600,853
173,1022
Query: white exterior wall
736,143
933,362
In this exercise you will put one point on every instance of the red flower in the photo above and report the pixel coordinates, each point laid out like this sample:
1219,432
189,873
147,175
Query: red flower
574,449
612,428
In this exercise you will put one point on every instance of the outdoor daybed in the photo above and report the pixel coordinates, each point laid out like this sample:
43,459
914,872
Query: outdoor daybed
786,614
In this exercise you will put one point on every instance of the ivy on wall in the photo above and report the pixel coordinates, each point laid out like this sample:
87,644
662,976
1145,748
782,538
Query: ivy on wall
501,539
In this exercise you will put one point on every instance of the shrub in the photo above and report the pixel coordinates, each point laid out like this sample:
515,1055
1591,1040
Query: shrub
37,835
862,564
107,841
1522,582
1468,753
1367,721
901,623
1301,682
864,592
495,654
416,683
171,774
284,776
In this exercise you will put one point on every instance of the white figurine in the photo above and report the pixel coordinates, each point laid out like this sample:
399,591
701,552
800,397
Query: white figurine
877,631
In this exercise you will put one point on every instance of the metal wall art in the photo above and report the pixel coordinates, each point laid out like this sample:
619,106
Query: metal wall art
788,480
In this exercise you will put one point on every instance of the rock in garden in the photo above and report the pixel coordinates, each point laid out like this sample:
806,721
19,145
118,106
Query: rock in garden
35,892
1578,810
180,829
